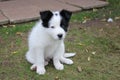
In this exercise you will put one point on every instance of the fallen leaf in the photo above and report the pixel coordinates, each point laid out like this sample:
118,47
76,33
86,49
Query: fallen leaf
19,33
57,78
94,53
79,68
94,10
89,58
14,52
85,29
7,32
80,44
84,21
75,21
67,49
107,24
101,30
103,20
118,27
12,25
86,50
116,18
85,17
5,26
92,41
110,12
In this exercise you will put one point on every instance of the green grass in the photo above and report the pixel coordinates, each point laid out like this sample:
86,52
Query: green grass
103,40
110,11
103,65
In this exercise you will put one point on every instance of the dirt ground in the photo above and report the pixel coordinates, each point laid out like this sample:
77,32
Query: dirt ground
97,23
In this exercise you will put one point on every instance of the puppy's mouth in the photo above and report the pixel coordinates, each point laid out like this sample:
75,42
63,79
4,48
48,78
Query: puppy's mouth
61,38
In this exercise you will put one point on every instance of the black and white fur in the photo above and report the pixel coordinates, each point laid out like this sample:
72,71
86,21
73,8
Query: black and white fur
46,41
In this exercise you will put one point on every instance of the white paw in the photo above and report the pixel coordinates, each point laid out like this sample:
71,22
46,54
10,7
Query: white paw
40,70
33,67
68,61
59,67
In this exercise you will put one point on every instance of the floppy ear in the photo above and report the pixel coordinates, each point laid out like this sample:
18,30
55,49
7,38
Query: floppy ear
46,16
66,14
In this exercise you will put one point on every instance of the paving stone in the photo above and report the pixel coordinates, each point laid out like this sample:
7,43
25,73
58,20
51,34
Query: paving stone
42,4
3,19
22,14
12,4
25,10
54,5
19,11
85,4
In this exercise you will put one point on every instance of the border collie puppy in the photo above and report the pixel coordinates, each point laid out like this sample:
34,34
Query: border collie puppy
46,41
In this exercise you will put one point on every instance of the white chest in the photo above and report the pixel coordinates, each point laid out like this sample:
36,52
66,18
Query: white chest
51,49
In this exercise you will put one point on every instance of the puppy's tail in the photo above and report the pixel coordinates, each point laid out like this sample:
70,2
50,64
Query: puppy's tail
69,55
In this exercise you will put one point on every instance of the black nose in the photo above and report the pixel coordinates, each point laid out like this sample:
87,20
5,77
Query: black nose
60,35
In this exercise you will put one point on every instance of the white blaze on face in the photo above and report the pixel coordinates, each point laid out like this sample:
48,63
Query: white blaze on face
57,31
55,20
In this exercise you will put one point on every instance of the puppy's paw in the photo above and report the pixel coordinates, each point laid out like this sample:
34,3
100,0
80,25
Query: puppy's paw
33,67
68,61
59,67
40,70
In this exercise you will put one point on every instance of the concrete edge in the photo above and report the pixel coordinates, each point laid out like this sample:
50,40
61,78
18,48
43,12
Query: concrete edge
85,8
5,21
23,20
97,6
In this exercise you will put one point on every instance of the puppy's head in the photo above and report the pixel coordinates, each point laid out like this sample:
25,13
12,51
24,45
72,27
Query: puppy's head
56,23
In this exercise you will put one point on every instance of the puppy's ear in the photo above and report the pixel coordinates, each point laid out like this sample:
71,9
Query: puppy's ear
46,16
66,14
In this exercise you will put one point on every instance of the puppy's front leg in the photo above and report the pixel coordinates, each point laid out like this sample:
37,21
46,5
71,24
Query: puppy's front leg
57,64
40,61
56,59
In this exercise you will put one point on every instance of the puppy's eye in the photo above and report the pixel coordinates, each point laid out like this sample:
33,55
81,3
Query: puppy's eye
52,27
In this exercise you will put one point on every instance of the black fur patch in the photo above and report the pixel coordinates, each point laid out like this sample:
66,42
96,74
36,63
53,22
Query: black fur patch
66,15
46,16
